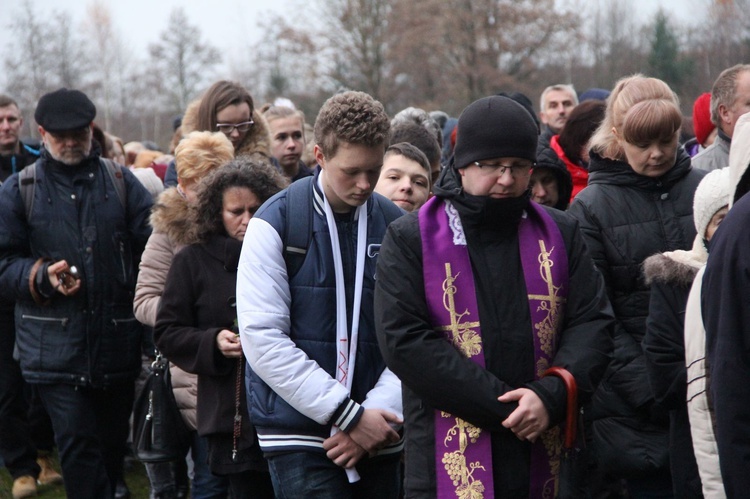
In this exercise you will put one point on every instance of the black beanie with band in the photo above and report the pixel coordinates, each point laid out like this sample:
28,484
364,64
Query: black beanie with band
495,127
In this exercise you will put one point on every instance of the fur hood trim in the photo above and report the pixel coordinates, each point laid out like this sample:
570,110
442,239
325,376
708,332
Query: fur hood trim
257,141
676,268
171,216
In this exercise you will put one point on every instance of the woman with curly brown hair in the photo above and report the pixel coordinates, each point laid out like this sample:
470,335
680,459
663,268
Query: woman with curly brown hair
196,321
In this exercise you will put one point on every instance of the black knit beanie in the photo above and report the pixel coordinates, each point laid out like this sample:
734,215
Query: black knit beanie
495,127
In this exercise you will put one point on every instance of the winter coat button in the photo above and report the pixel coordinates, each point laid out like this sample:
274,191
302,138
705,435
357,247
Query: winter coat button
72,196
89,249
665,196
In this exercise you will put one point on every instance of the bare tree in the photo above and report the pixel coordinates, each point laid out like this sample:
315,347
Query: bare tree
183,59
356,34
108,55
45,55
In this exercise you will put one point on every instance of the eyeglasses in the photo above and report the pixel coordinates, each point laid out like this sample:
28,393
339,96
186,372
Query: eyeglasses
227,128
516,170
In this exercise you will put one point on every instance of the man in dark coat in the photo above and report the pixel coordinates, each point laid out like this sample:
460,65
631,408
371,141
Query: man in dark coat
479,367
76,336
24,430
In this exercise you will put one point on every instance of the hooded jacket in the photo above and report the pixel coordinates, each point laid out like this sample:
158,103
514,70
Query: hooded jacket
626,217
436,376
92,337
726,317
172,231
547,157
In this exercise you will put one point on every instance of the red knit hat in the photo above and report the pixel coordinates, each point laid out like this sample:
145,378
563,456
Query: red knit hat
702,117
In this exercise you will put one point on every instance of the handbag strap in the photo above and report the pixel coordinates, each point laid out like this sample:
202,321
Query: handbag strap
571,419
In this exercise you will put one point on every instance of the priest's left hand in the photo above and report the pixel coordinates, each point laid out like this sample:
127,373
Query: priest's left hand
530,418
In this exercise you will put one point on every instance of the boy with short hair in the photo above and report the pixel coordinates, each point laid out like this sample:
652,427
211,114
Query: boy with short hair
405,177
304,327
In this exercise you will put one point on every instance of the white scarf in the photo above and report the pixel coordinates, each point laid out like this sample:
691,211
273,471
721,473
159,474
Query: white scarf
346,357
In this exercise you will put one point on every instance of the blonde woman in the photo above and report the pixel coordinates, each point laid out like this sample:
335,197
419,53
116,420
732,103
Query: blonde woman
639,202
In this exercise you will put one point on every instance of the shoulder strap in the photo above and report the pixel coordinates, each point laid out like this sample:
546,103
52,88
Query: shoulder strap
298,224
27,186
115,174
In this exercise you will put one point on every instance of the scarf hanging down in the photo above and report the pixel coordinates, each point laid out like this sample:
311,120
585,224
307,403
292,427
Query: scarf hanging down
346,347
463,457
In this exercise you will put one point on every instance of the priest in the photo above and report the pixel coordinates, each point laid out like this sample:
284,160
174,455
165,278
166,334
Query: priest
477,295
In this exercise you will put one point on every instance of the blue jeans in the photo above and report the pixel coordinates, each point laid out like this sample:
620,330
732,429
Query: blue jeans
206,485
312,474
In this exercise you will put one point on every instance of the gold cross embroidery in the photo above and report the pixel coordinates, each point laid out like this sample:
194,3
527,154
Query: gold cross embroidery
462,334
551,302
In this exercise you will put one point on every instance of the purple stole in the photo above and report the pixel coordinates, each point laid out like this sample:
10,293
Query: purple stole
463,452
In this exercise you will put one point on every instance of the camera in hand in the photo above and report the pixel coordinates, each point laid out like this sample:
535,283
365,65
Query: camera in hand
68,278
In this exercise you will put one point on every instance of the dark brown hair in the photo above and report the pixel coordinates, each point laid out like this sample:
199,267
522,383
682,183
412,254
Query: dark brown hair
581,125
219,96
261,179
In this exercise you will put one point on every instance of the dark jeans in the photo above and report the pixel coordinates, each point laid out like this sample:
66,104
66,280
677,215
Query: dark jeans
312,474
25,426
91,428
170,477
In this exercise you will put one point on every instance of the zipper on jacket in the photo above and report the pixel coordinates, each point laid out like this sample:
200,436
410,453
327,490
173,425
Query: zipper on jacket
64,321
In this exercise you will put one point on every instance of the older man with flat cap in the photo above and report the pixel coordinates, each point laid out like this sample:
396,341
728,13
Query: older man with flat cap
477,296
72,229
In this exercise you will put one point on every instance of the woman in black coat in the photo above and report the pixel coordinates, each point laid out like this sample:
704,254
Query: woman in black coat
639,202
196,323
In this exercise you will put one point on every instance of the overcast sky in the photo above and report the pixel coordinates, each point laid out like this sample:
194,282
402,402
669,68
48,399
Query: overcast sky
229,25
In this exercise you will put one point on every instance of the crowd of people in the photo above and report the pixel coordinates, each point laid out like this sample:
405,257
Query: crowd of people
376,306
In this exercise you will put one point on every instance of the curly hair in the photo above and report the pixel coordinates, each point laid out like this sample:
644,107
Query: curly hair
262,179
201,152
352,117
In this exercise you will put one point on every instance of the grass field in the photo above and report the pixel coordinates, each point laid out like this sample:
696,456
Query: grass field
135,477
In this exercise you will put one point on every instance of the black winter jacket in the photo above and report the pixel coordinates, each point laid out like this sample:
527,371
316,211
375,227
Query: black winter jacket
546,157
197,303
91,337
14,163
626,217
435,375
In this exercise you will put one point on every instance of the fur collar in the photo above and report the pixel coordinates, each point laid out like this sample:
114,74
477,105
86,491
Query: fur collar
171,216
675,268
257,141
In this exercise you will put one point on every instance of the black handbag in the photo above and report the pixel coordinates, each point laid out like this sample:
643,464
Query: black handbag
572,479
159,433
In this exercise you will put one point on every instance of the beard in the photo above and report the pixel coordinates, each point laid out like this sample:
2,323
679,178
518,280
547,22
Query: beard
71,156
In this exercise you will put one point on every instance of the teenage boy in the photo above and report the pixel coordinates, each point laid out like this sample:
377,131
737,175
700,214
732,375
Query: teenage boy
305,311
405,177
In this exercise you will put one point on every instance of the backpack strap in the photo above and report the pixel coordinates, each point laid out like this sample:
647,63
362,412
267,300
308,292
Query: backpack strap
27,187
27,184
298,225
115,174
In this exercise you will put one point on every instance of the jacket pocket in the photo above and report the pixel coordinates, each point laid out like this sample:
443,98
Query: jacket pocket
50,344
124,259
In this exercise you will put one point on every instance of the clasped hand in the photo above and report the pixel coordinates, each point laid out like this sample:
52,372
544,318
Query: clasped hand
530,418
372,432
